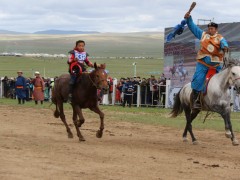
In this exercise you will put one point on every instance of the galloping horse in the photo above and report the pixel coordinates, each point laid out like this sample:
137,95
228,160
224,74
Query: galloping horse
217,99
85,96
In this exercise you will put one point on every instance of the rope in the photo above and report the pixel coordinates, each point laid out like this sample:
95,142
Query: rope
94,84
207,65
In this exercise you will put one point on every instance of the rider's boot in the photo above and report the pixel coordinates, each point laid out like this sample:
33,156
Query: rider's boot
196,105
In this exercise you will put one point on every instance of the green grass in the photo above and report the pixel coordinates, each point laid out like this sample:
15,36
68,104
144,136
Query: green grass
154,116
55,67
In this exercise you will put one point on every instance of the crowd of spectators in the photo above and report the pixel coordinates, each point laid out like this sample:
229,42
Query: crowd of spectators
9,88
152,91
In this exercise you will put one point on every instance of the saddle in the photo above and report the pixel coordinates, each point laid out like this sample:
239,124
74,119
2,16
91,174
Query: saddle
211,72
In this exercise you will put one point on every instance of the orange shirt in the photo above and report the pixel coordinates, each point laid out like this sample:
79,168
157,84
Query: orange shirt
210,46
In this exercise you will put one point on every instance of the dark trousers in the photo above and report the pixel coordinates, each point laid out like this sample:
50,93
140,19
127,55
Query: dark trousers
128,99
143,97
163,98
21,100
73,78
135,98
154,95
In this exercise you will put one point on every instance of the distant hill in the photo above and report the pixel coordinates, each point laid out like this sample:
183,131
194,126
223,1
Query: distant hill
53,31
10,32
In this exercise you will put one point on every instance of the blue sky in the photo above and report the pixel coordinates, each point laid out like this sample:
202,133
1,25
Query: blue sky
109,15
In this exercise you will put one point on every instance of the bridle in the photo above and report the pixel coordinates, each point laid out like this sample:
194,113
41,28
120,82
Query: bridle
236,79
94,84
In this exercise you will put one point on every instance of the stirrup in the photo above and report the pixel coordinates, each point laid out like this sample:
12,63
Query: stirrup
196,105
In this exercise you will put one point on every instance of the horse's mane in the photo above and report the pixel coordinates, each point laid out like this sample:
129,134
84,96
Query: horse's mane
85,75
230,63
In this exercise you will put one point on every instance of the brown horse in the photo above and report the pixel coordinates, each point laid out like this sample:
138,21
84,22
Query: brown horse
84,96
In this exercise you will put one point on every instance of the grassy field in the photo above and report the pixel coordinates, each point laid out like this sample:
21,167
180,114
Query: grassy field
55,67
155,116
97,45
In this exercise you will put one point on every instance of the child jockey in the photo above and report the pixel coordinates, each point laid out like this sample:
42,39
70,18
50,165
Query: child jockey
76,61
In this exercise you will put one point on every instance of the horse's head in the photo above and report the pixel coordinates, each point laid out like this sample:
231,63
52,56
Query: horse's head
99,76
234,66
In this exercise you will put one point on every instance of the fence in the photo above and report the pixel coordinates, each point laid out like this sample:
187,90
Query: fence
142,97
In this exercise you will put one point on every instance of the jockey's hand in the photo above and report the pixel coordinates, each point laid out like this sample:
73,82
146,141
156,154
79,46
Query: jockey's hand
187,15
75,59
225,49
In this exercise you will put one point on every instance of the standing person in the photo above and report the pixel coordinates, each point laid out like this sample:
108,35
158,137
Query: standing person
128,92
20,87
119,90
110,89
154,90
213,46
135,85
143,88
5,83
76,61
162,88
27,89
38,92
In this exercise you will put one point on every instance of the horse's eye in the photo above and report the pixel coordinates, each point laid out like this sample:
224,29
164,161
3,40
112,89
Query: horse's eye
233,74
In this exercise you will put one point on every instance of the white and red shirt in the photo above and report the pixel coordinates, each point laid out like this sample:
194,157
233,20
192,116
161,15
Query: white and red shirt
80,56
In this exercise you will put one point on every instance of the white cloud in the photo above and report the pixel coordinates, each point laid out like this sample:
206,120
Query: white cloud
109,15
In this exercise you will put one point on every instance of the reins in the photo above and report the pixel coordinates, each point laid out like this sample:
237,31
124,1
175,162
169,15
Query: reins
94,84
236,79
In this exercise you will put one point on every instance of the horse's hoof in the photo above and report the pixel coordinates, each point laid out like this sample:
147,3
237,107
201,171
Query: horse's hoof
82,139
79,124
195,142
228,134
99,134
235,142
70,136
185,139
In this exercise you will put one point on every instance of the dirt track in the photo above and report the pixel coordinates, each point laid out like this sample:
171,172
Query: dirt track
34,145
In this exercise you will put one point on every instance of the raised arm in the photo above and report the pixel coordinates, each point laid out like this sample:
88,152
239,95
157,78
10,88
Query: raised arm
193,27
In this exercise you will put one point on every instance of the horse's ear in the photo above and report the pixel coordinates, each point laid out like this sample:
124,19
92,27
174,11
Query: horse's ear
95,65
103,66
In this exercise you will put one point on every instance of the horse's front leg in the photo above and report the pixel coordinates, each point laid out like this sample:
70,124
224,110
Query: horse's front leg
228,128
63,118
101,115
81,118
77,112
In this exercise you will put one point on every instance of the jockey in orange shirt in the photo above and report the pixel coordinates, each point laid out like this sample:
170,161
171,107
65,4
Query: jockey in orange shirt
213,46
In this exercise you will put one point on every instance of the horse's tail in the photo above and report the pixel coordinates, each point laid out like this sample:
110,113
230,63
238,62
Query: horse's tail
177,107
53,96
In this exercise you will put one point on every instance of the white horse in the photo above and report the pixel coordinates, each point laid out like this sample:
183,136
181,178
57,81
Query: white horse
217,100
